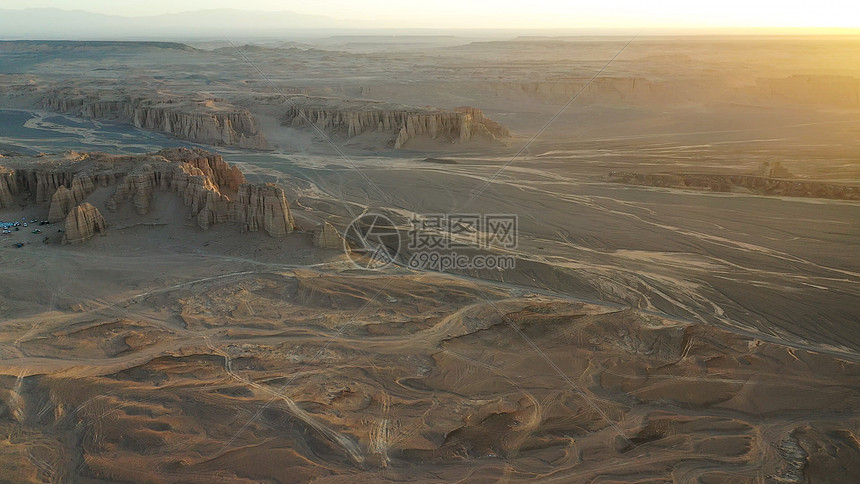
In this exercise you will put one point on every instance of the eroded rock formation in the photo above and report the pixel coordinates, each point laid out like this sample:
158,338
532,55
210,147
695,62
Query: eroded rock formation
203,184
404,123
327,237
213,166
773,169
558,90
64,198
264,207
8,187
204,120
39,183
61,203
193,187
213,191
842,91
82,223
760,185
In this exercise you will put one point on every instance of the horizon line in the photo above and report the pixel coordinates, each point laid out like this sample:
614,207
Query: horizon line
691,28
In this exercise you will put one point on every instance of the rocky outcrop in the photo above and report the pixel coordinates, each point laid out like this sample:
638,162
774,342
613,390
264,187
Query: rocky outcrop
82,223
754,184
194,188
225,177
8,187
39,179
196,176
40,184
67,187
403,123
327,237
453,127
557,90
205,182
482,124
64,198
264,207
602,90
841,91
204,120
773,169
61,203
213,191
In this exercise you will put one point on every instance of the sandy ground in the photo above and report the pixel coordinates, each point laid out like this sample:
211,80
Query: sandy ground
131,359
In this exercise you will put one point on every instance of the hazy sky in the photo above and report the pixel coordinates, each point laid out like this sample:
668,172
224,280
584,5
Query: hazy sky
510,13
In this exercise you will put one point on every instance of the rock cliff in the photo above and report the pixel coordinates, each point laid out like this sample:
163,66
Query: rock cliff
8,187
264,207
39,184
64,198
327,237
82,223
754,184
557,90
193,187
61,203
773,169
213,166
842,91
205,183
206,120
403,123
212,190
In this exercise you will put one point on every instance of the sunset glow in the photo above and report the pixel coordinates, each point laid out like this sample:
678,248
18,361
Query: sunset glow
515,14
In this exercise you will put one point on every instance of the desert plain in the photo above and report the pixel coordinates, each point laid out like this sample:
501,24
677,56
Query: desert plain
683,307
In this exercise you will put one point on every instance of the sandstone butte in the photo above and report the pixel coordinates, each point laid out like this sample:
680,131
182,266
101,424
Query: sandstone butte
327,237
201,119
211,120
404,123
212,190
761,185
82,223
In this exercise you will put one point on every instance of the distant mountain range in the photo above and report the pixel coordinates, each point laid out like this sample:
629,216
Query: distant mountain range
52,23
218,24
